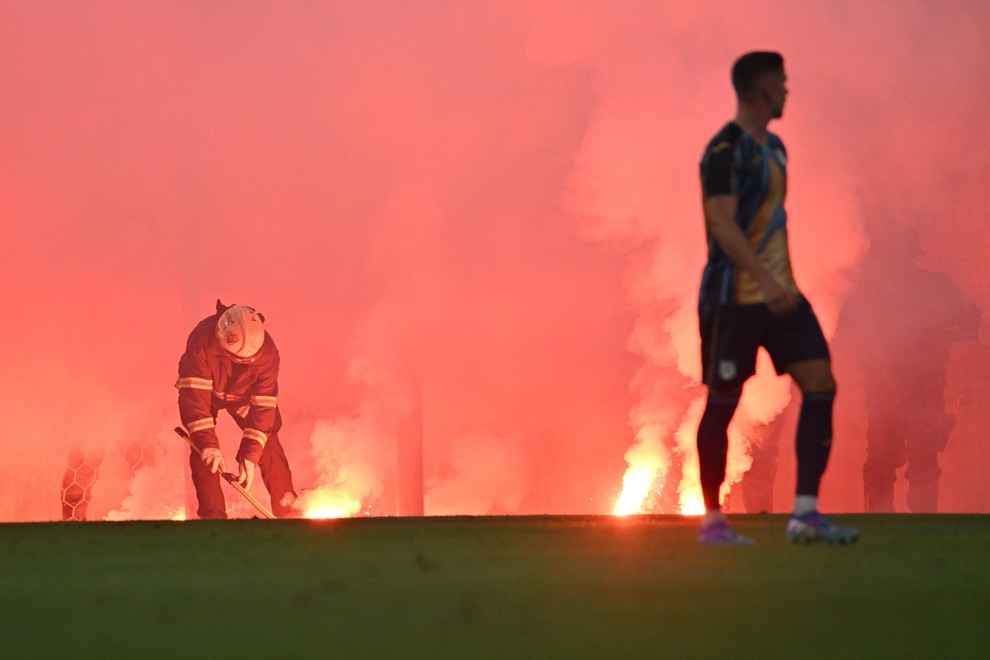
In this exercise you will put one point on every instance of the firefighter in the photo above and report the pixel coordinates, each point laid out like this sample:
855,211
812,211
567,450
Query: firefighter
231,363
902,321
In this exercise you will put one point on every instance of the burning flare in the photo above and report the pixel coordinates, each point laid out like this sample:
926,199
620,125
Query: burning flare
635,486
650,461
325,503
692,503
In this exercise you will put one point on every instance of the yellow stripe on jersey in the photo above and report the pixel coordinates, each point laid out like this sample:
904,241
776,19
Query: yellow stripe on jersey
256,435
201,424
264,401
194,383
775,255
242,411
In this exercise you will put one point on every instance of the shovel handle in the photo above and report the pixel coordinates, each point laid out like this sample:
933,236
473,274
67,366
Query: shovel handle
229,478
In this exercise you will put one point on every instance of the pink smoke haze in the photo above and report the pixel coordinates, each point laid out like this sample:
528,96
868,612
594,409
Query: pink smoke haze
494,204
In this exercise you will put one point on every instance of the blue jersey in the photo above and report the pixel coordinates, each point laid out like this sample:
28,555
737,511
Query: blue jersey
736,164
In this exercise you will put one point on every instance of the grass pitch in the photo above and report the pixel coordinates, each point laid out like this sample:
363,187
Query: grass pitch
512,587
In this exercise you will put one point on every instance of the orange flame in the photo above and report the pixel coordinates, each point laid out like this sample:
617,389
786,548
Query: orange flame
649,460
635,488
635,485
692,503
328,503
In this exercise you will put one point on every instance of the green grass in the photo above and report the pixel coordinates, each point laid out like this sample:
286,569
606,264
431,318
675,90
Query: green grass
516,587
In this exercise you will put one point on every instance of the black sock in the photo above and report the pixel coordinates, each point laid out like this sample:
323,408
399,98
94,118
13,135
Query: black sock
713,444
814,440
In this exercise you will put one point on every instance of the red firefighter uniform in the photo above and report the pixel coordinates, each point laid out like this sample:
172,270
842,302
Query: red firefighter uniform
245,384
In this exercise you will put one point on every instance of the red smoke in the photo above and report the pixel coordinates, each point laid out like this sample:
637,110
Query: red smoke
495,200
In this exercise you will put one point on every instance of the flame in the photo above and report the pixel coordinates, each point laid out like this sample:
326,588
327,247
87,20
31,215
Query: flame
649,460
767,396
635,486
328,503
692,503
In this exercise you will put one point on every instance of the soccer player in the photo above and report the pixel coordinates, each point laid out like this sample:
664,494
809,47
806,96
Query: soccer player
749,299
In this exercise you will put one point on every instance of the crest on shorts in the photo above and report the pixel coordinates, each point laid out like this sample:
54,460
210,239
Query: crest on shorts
726,369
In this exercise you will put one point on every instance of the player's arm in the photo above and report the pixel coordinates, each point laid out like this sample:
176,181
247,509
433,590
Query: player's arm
720,216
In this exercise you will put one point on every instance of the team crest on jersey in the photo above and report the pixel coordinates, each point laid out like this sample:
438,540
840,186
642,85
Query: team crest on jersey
726,369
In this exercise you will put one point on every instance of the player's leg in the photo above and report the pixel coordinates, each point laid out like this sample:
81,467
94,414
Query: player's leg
797,347
814,431
713,443
814,443
728,358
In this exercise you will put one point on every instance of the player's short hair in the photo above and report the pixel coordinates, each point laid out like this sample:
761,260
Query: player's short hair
748,69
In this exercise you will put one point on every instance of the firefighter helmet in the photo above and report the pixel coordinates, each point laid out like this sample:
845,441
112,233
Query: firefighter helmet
241,331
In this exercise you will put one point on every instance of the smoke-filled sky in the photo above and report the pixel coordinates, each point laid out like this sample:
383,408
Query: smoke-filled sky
494,201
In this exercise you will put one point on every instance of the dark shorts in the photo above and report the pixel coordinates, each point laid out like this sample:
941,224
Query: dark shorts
732,334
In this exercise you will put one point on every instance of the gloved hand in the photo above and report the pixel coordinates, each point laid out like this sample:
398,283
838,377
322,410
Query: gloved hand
212,459
245,473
